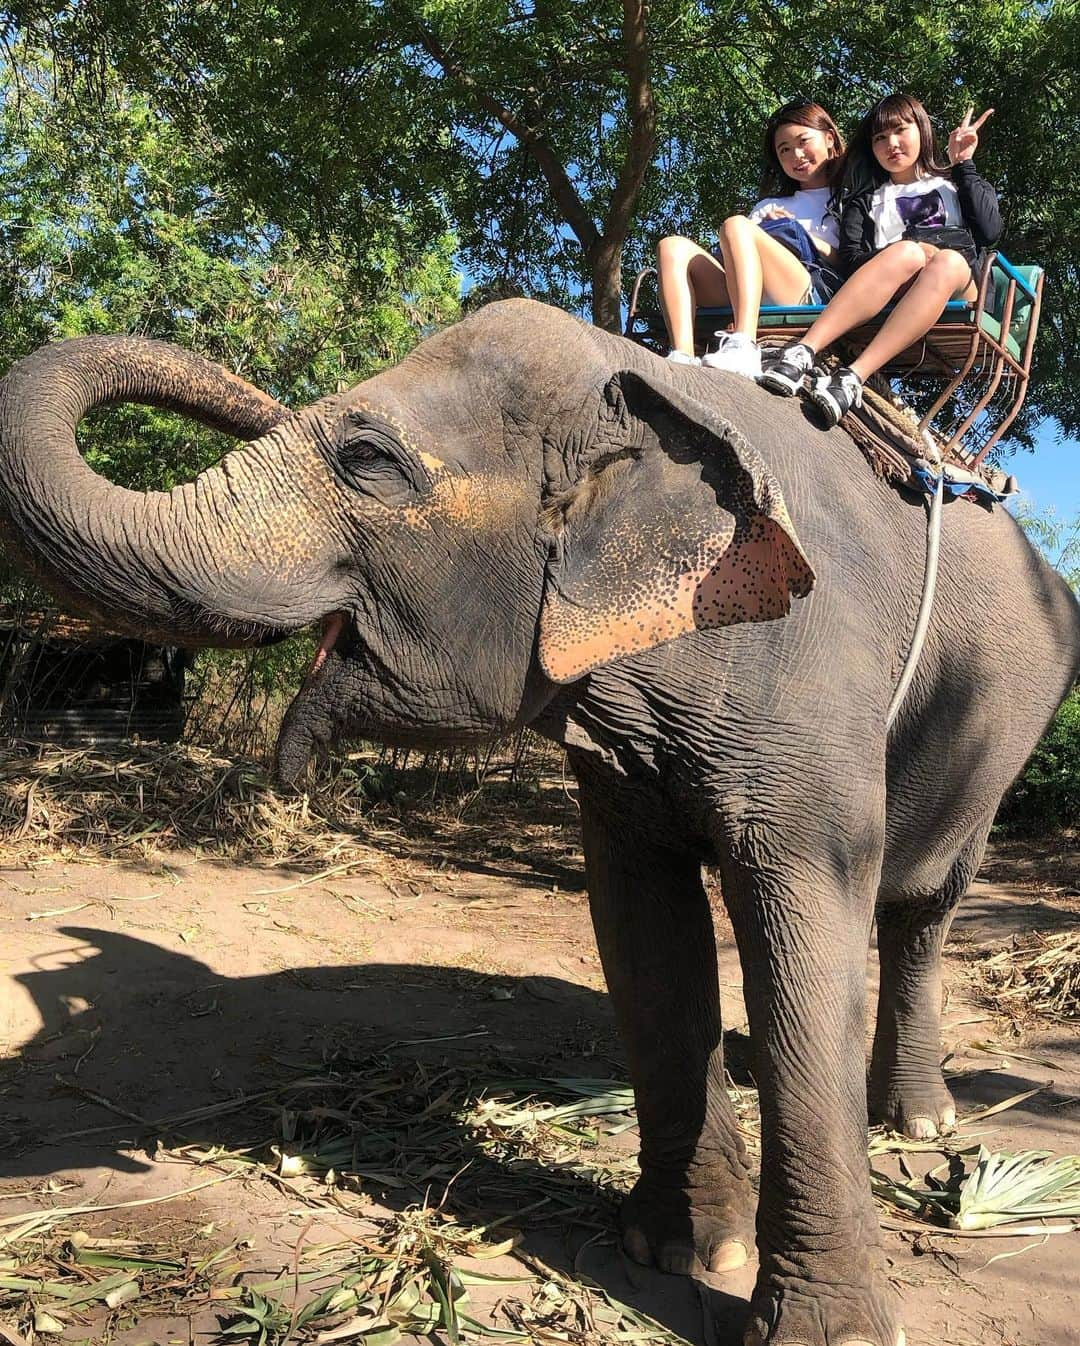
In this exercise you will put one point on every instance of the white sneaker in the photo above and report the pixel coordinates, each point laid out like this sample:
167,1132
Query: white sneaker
681,358
736,353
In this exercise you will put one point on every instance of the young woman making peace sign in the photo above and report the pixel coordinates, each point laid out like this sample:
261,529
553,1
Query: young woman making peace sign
905,229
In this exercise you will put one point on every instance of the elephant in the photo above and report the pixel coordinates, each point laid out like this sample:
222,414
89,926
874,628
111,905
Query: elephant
708,601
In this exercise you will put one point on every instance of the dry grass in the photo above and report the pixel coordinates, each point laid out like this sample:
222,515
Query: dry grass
1036,974
368,814
1049,866
430,1172
433,1172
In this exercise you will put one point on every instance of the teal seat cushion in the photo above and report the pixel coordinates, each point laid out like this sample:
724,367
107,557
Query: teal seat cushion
956,311
1023,308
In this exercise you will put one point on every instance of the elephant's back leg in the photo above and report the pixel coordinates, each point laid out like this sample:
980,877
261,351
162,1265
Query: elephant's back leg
906,1090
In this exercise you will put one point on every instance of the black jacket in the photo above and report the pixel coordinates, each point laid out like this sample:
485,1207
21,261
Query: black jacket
978,205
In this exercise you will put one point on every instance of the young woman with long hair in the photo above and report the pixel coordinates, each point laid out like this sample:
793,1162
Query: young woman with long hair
803,154
912,229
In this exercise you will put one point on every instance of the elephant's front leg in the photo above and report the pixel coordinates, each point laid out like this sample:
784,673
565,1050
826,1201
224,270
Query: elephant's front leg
803,943
691,1209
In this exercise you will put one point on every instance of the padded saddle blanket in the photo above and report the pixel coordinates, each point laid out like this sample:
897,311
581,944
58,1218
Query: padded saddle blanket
893,445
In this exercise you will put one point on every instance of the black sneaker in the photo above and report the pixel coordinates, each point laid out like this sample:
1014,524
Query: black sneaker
784,370
835,394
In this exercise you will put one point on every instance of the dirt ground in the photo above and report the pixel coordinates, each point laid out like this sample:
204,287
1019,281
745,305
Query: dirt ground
145,989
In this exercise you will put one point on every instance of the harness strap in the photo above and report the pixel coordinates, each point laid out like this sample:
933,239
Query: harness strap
930,571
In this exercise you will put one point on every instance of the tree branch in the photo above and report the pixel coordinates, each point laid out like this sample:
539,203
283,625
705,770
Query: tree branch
641,111
566,198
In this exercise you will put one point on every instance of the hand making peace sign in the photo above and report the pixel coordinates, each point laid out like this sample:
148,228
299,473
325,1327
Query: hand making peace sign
965,139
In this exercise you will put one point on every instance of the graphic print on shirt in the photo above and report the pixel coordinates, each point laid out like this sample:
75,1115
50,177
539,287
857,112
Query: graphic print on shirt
927,210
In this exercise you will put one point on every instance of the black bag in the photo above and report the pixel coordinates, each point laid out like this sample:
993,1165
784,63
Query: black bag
945,236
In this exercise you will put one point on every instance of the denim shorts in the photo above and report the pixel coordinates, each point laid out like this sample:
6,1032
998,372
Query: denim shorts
824,283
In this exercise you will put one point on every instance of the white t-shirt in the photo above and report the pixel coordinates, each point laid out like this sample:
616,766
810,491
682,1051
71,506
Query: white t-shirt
810,208
894,207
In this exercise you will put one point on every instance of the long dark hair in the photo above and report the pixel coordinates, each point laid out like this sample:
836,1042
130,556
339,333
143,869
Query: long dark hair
799,112
862,171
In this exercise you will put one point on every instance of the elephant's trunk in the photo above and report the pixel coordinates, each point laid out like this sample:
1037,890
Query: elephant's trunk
196,564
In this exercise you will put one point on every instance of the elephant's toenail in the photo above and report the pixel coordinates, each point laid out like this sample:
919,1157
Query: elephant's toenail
636,1246
679,1262
948,1118
920,1128
728,1257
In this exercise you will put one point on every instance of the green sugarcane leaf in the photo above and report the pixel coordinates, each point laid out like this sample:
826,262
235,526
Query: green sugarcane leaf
1030,1184
404,1302
443,1294
482,1329
88,1258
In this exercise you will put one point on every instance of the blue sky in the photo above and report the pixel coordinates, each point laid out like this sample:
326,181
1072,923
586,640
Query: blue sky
1050,477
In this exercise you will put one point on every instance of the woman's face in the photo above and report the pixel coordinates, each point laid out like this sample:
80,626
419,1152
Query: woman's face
897,150
804,153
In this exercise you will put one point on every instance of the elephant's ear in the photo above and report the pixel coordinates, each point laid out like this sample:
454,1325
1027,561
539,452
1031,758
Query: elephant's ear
677,524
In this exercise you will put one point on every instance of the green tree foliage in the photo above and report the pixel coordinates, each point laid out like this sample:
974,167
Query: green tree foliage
1058,539
115,220
561,139
331,114
1047,795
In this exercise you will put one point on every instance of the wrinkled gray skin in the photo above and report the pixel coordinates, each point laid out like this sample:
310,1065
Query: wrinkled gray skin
435,507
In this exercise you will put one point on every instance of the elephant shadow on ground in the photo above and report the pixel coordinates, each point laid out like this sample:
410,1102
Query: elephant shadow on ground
395,1056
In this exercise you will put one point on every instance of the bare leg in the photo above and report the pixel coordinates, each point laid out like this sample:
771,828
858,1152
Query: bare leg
757,266
688,276
946,273
866,293
691,1208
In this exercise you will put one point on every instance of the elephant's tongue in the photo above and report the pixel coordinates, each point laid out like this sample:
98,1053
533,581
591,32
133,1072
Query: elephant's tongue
331,630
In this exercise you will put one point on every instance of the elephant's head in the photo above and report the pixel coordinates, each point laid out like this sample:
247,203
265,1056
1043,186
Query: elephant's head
519,501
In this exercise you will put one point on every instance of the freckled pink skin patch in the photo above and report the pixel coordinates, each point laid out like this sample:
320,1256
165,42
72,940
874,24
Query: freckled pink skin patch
331,630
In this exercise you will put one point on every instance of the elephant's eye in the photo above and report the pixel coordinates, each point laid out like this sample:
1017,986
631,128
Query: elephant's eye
359,453
367,462
368,456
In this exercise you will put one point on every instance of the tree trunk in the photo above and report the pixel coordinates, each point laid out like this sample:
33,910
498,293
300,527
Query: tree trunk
605,262
602,246
605,256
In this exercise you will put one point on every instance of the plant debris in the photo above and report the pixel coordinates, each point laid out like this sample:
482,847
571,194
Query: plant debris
476,1162
1035,974
366,814
999,1189
469,1163
1006,1188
